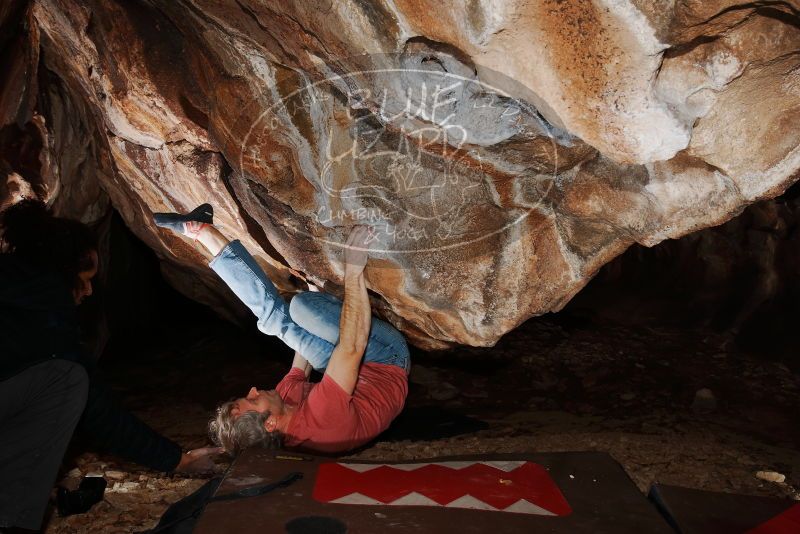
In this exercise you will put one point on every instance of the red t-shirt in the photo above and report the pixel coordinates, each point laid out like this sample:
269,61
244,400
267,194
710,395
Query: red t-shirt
329,420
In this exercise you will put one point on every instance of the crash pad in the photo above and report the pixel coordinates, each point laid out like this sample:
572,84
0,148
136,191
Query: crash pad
692,511
552,492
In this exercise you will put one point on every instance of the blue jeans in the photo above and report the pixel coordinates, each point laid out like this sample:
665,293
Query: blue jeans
310,325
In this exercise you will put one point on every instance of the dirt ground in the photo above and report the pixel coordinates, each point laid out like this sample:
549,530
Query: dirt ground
555,384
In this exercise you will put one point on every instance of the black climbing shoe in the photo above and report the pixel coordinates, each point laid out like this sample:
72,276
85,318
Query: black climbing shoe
203,213
89,493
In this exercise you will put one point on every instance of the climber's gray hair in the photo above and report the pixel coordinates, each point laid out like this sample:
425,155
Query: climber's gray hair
239,433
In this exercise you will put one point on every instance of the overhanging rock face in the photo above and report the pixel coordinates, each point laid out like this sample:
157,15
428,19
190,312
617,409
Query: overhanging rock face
502,151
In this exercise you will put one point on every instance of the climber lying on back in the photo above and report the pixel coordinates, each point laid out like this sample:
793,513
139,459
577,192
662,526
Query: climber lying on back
355,401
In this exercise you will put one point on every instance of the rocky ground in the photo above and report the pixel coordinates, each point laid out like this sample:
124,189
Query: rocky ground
556,384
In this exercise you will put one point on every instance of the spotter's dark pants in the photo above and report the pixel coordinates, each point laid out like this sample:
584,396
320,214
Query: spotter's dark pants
39,409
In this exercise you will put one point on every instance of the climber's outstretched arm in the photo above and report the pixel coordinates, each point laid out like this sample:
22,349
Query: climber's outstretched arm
356,315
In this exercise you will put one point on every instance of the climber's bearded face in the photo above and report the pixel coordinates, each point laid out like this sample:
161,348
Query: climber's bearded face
259,400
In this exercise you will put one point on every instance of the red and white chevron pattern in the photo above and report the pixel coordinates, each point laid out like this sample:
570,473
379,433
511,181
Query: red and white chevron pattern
506,486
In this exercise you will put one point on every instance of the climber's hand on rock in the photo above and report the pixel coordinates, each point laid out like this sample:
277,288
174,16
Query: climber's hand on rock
356,250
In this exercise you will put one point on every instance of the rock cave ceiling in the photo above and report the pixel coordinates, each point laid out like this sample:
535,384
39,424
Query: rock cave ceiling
503,151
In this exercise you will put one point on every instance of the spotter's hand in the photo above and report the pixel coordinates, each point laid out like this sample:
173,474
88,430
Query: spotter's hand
199,460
